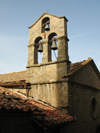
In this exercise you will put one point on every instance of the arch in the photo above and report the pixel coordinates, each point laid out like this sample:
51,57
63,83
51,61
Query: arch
94,108
98,129
52,35
38,55
52,53
38,39
45,21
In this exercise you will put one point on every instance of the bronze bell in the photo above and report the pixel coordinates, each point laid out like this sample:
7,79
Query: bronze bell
40,49
54,45
47,27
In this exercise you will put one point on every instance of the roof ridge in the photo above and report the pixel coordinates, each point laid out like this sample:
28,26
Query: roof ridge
76,66
14,72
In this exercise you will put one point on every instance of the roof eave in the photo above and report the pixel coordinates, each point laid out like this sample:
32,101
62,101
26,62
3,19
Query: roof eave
72,73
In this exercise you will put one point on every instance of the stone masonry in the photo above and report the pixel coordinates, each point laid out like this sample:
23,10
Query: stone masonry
46,78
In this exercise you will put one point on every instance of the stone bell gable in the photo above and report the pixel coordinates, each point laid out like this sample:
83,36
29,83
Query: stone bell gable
58,27
48,33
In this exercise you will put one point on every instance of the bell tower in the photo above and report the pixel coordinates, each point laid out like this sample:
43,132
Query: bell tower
48,33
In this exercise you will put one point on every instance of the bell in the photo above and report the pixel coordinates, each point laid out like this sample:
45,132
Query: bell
47,28
54,45
40,49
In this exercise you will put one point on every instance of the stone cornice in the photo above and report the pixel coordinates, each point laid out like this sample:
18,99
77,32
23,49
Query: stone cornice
52,82
62,37
31,45
46,41
48,63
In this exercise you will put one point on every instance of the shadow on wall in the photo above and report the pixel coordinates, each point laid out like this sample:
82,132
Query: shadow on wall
98,129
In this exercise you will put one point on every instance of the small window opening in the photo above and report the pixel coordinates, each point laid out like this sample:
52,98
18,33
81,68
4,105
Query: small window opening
45,24
98,129
94,108
38,50
53,46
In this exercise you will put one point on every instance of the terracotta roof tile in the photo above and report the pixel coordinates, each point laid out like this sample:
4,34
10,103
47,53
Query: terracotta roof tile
10,101
76,66
15,77
20,77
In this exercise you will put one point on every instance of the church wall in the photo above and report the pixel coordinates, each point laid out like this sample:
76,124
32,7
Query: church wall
57,25
47,73
46,78
81,104
86,76
55,94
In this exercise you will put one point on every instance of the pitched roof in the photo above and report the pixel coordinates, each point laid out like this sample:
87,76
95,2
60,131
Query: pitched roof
48,15
14,102
10,101
11,77
18,76
76,66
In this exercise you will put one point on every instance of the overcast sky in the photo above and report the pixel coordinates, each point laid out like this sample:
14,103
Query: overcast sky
17,15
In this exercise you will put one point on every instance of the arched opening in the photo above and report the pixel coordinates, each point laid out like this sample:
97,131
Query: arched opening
38,51
94,108
53,47
98,129
45,24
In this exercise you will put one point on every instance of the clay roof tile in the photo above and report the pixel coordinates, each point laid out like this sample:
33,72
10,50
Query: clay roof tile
9,102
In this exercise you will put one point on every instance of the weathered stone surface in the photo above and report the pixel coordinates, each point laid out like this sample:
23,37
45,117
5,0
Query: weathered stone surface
50,72
46,78
87,76
58,25
55,94
80,105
